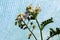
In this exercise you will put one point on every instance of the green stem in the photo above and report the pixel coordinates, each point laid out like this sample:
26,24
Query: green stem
30,31
41,35
39,29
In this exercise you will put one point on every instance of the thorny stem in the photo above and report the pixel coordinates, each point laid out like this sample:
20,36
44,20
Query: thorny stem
30,31
40,29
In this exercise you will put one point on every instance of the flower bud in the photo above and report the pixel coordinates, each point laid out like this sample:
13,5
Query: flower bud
31,23
29,36
29,8
37,10
34,26
25,27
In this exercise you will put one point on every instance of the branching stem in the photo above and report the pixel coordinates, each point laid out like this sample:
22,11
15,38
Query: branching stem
39,29
30,30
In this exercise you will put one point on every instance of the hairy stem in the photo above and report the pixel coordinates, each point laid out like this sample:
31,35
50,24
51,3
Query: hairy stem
39,29
30,31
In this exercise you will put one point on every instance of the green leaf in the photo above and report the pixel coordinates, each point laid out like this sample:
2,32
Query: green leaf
46,22
57,30
53,32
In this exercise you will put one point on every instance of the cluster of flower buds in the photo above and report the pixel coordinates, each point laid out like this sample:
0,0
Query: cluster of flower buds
19,21
20,17
32,12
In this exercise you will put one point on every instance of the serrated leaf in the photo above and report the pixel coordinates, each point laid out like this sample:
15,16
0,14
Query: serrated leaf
57,30
53,32
46,22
